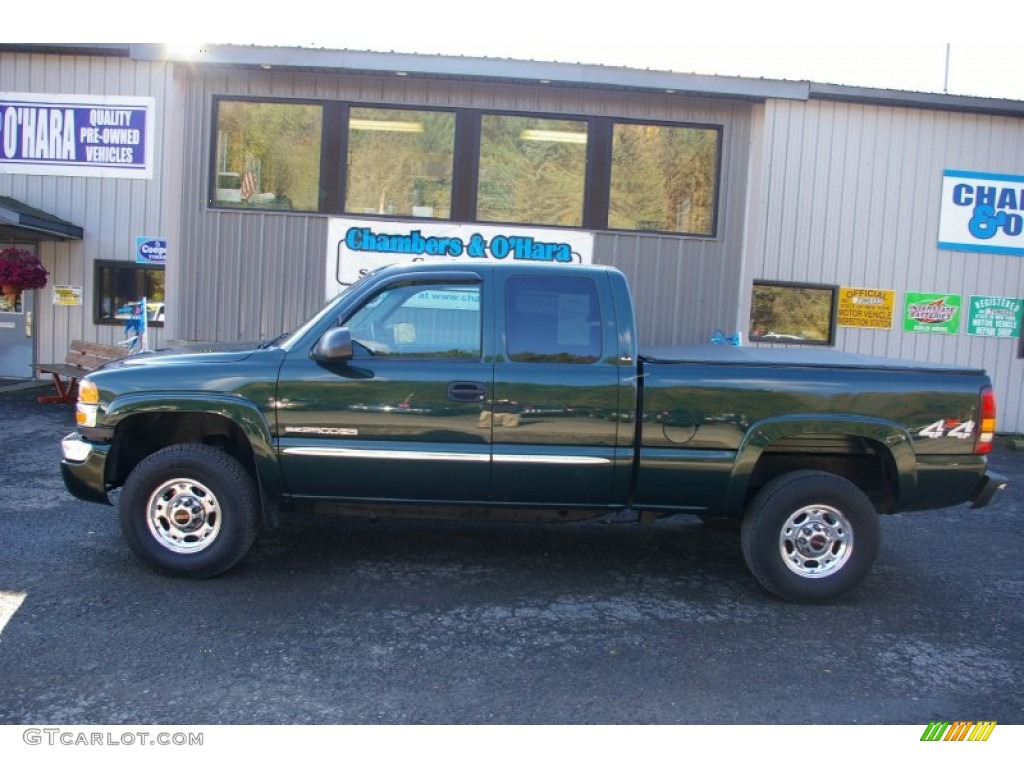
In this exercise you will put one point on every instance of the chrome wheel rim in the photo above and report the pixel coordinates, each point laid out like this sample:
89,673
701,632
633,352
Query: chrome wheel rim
183,516
816,541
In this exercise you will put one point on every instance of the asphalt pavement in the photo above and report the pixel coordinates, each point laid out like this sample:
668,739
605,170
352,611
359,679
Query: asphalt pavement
338,621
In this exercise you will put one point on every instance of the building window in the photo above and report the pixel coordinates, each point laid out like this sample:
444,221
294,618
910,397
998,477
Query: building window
400,162
553,320
663,178
466,165
793,313
268,155
11,302
120,286
532,170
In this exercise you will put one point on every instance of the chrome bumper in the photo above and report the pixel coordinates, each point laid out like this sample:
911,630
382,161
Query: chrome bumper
82,468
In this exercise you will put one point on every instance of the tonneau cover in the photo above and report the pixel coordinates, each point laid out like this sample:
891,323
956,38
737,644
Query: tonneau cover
725,354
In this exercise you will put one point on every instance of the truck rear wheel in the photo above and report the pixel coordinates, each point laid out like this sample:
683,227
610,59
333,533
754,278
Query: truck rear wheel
810,536
189,510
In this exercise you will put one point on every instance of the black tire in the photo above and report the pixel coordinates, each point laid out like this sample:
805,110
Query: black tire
189,510
810,536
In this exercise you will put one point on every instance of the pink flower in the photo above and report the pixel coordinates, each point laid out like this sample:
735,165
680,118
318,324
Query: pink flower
22,269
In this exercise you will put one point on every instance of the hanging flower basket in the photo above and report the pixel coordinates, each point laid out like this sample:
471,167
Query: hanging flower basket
20,270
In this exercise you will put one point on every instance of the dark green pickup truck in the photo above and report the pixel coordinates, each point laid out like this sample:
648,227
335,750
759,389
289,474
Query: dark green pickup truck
518,392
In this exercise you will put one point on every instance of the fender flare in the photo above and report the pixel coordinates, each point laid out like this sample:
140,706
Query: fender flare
244,413
891,436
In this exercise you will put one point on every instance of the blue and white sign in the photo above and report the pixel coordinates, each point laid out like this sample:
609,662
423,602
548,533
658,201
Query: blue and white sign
71,135
358,246
151,250
982,212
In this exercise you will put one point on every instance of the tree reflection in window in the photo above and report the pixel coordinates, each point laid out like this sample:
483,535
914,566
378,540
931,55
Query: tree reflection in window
268,155
663,178
532,170
792,313
400,162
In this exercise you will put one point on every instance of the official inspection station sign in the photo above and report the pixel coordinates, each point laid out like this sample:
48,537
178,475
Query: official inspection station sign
866,308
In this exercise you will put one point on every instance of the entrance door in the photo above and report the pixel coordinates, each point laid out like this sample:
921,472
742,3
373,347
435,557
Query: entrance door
16,343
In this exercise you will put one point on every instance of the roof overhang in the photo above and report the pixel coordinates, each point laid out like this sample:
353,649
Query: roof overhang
292,59
551,74
21,222
917,100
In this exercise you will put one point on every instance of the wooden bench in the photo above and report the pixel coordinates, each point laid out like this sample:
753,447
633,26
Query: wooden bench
82,358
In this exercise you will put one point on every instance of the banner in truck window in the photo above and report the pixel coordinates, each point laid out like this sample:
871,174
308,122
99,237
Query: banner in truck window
71,135
358,246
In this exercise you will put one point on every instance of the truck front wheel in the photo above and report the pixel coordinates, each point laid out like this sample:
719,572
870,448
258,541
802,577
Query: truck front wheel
810,536
189,510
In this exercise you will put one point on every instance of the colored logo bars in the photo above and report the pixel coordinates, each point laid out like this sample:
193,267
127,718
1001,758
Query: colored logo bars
961,730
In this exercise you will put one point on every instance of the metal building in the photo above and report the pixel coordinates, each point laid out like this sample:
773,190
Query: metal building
895,216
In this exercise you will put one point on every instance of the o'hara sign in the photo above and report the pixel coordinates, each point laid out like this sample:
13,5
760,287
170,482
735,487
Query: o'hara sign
71,135
358,246
982,212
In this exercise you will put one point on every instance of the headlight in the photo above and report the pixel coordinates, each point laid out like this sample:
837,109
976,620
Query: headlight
88,404
88,392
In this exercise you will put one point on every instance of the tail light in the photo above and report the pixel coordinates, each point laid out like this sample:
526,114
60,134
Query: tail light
987,430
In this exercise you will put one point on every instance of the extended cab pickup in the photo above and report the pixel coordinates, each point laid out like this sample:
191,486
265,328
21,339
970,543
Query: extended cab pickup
519,392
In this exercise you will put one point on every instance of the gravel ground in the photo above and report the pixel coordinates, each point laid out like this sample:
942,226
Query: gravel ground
336,621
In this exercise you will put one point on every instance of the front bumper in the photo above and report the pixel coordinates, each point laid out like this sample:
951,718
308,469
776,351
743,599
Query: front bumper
987,486
82,468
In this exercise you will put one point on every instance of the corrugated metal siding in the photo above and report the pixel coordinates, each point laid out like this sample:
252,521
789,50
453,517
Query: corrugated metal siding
849,194
684,287
112,212
243,275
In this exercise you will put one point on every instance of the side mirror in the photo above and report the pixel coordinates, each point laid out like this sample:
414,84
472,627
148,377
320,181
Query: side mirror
333,346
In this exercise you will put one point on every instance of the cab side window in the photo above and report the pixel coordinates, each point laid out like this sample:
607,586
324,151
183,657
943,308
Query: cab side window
553,319
421,320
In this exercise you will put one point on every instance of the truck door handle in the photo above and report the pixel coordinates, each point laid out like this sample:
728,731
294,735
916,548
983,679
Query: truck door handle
467,391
